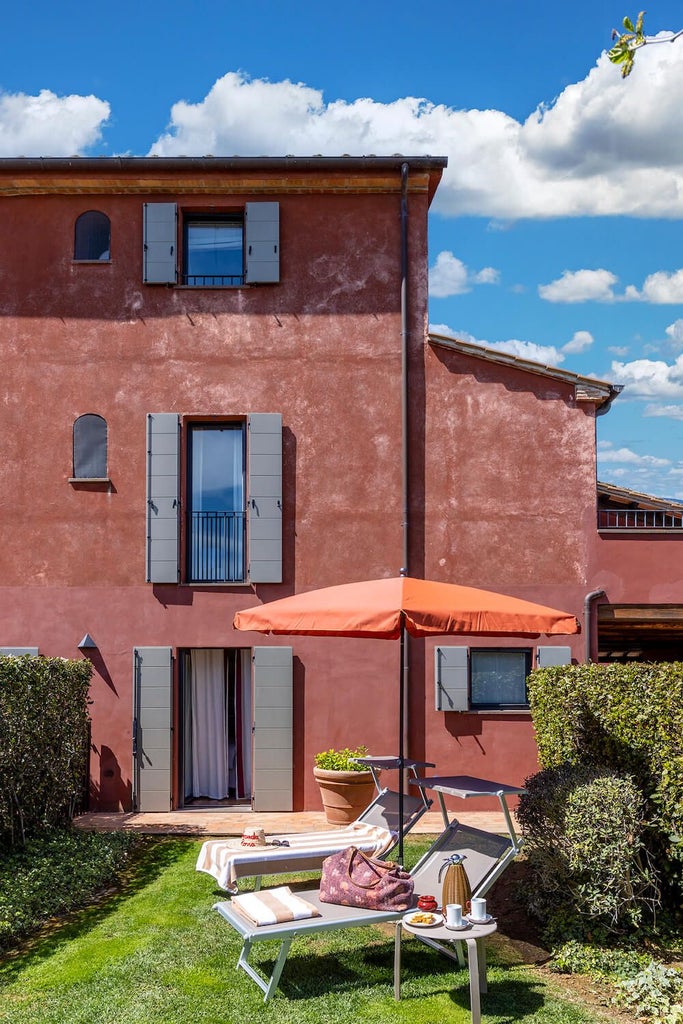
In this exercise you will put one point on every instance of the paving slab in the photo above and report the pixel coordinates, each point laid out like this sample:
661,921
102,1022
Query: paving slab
231,822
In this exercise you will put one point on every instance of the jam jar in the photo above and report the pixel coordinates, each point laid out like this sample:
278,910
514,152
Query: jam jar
426,903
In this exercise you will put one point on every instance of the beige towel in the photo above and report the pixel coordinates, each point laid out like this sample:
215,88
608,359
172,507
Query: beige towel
220,859
273,906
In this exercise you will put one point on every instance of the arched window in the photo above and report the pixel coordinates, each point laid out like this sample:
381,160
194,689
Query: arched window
92,236
90,447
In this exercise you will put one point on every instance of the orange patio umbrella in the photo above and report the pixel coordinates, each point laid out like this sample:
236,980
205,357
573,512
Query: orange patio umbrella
389,608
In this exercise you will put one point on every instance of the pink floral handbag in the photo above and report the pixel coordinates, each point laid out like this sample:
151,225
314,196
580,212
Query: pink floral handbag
355,880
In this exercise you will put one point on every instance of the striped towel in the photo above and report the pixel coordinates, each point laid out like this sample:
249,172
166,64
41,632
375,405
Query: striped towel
226,862
273,906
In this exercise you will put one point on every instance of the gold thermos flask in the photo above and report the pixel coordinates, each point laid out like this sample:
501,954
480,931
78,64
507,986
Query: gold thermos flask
456,884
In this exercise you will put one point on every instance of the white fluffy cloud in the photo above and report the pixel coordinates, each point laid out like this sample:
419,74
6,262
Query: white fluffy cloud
575,157
651,378
547,355
660,288
630,458
49,125
450,276
580,341
673,412
675,332
580,286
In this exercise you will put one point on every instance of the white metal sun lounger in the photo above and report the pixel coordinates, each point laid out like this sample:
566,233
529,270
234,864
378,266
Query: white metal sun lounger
484,852
375,832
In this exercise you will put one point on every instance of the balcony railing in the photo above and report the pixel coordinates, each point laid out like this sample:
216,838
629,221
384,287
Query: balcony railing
217,547
639,519
213,280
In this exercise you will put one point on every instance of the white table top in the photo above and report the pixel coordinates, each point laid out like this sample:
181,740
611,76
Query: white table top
444,934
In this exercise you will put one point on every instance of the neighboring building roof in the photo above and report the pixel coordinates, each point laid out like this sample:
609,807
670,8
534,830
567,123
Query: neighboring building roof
635,499
284,173
587,389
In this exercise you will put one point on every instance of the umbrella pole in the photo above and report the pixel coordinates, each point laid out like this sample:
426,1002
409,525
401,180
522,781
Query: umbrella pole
401,748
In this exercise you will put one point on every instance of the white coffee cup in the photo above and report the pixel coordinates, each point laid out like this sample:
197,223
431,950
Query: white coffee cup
478,911
453,915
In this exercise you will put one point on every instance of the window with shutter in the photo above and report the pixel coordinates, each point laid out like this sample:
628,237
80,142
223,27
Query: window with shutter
233,499
219,249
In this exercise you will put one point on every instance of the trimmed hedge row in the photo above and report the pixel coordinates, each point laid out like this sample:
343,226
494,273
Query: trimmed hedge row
44,730
627,718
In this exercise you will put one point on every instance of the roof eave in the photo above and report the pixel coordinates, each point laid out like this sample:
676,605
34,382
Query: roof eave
586,389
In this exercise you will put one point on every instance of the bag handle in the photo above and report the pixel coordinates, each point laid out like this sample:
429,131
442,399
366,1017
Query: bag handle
367,860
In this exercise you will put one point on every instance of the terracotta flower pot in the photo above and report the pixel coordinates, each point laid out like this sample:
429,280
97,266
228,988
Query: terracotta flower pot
344,794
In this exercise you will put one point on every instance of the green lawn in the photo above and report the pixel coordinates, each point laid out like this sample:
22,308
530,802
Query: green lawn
155,952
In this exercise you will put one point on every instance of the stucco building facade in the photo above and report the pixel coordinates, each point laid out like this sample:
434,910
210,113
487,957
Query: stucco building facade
218,388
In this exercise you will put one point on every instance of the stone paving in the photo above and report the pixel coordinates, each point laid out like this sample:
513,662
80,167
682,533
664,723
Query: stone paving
232,822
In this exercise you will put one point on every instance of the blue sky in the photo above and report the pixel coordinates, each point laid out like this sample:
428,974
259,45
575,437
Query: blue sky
556,233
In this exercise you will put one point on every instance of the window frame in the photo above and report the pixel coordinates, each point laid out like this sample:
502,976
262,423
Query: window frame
525,652
98,441
195,218
88,234
189,426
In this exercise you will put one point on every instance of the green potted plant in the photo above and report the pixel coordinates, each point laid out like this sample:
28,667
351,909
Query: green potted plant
346,787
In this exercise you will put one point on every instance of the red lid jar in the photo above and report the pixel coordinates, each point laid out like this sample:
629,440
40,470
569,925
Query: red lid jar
426,903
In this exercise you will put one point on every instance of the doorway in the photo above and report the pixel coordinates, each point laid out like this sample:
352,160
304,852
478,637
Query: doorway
216,733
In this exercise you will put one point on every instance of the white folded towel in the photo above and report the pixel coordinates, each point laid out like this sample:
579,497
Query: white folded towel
273,906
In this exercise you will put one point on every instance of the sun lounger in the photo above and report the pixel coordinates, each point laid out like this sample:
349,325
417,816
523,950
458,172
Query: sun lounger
375,832
484,851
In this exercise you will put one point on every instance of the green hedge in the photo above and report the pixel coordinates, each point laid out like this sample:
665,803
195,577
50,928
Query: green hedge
583,830
44,730
628,718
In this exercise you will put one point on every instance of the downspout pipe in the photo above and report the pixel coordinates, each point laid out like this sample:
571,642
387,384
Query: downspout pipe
404,365
405,465
588,619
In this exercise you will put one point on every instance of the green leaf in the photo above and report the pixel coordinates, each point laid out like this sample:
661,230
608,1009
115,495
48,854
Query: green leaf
628,25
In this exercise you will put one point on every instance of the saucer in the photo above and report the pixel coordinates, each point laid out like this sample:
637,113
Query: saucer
458,927
479,920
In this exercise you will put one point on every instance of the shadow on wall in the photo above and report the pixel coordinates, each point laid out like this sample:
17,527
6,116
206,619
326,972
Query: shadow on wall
111,792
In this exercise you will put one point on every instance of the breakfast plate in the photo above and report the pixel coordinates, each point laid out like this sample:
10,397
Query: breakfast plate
423,919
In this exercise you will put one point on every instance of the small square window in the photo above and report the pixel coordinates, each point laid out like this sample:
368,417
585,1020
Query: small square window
498,678
213,251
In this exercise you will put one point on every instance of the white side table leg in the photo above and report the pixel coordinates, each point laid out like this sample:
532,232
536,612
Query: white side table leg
473,946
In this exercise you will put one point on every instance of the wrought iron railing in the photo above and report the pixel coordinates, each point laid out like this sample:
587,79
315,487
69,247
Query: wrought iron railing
639,519
217,547
213,280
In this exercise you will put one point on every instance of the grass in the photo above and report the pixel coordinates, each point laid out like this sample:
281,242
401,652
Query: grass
155,952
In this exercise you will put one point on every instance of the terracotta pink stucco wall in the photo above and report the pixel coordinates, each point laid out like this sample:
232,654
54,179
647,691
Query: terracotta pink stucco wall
322,348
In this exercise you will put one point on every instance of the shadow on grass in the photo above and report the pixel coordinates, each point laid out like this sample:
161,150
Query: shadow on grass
150,860
424,974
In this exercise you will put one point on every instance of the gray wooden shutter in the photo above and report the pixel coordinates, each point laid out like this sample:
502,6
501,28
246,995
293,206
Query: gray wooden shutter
160,241
451,678
548,656
262,242
163,499
273,725
19,652
153,681
264,502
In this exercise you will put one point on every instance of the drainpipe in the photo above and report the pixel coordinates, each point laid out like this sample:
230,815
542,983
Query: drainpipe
404,361
588,619
404,448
